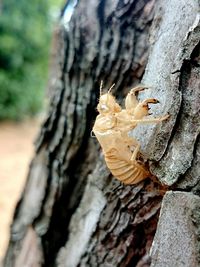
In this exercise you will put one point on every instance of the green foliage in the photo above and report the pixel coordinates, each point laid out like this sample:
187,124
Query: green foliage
24,47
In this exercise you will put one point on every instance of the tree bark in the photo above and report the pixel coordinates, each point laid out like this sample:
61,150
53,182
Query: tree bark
73,212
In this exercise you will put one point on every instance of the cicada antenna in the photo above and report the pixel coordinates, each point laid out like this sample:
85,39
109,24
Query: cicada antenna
110,91
100,89
111,88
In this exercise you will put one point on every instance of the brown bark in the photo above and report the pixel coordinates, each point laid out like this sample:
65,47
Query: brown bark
72,212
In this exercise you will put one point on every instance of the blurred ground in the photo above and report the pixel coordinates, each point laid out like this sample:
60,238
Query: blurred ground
16,151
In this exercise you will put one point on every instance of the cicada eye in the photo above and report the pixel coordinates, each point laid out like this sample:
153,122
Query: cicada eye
104,107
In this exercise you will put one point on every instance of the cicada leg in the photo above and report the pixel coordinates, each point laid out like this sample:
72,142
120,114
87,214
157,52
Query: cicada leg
156,120
135,152
131,100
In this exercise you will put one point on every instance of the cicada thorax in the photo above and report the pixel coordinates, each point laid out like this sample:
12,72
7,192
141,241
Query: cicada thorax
127,171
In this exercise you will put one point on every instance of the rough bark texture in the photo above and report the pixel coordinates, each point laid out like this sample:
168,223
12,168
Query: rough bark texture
176,239
72,212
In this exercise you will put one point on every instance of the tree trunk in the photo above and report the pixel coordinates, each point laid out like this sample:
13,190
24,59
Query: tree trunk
73,212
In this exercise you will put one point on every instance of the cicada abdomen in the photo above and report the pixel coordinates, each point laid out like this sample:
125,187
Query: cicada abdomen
127,171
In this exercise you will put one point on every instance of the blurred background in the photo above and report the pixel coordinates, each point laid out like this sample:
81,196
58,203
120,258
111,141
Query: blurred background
25,47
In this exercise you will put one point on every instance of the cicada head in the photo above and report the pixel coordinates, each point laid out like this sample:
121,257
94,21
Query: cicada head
107,104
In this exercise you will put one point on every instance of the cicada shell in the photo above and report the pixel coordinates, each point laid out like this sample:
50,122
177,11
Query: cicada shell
111,129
